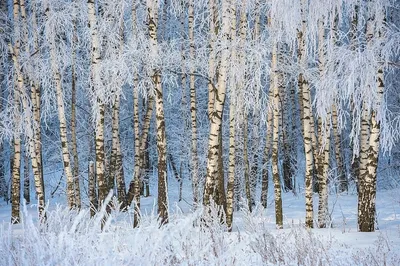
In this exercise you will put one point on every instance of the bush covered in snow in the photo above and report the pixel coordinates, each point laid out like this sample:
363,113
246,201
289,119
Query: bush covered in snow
198,238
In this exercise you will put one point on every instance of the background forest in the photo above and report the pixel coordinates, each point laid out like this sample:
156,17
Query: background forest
228,104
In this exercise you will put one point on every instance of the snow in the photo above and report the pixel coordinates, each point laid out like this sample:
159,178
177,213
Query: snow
198,238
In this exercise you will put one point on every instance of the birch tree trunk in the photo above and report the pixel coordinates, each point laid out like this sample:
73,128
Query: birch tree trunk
193,109
367,191
214,141
355,164
341,175
246,161
232,134
92,189
212,55
27,195
75,169
267,153
275,140
3,182
134,186
116,155
160,120
14,50
308,126
36,103
343,186
16,181
324,139
99,138
62,121
118,170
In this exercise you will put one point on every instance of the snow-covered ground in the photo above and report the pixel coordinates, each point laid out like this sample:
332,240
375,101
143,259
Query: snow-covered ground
198,238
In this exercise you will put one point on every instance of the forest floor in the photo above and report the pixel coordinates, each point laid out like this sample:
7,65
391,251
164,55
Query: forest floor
198,238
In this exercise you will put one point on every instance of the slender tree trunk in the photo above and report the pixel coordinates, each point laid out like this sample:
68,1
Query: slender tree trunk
14,50
355,164
92,189
62,122
193,109
306,119
214,141
323,180
286,141
367,191
294,137
27,195
3,182
275,140
246,162
16,161
116,155
16,182
267,153
75,169
140,149
343,186
323,138
160,120
134,187
232,134
36,103
212,55
63,126
99,138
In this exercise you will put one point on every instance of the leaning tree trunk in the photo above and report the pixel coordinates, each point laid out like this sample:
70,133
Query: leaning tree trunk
160,120
214,141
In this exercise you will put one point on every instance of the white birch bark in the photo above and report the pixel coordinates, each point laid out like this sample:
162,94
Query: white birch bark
275,140
308,126
367,191
214,142
99,138
160,120
193,109
14,50
324,139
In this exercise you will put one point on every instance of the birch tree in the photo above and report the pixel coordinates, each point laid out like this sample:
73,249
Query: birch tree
275,140
162,202
100,108
308,125
214,141
61,117
369,154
